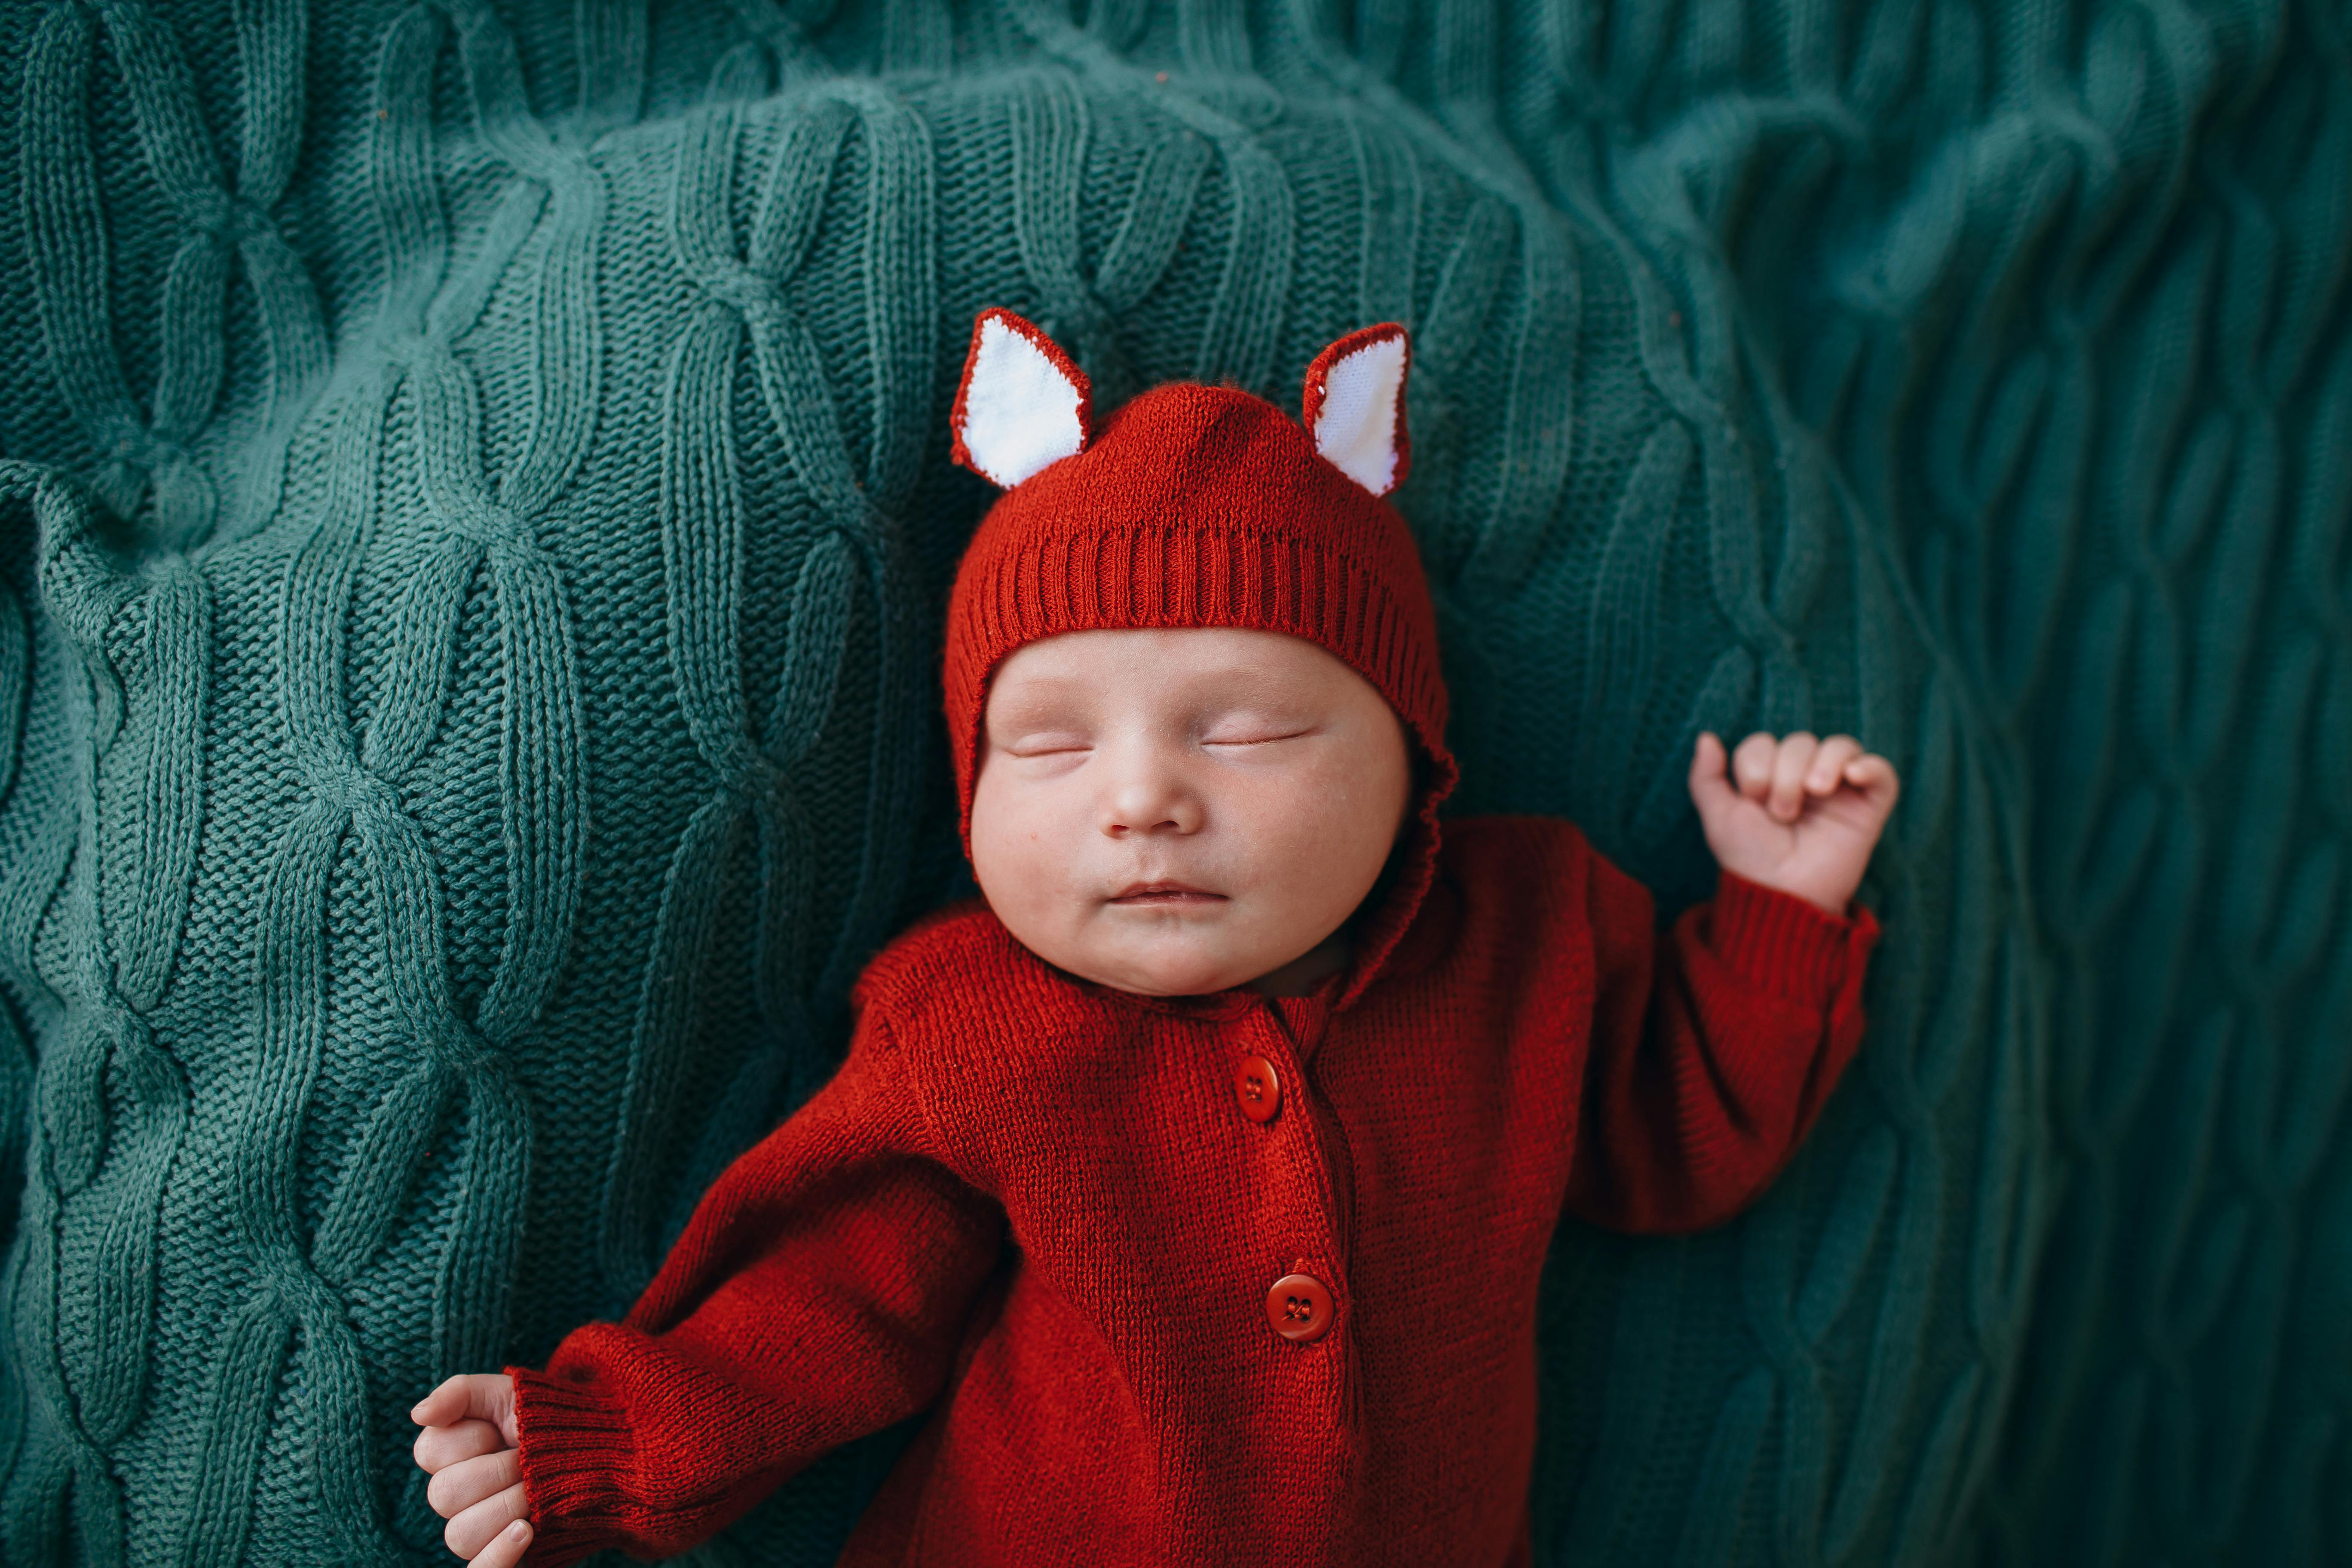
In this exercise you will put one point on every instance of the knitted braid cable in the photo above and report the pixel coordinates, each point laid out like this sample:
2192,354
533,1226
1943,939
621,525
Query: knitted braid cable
703,521
352,784
2087,205
1246,315
16,1050
66,222
155,739
110,1146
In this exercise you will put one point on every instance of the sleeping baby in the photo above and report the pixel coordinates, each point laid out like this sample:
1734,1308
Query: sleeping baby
1197,1177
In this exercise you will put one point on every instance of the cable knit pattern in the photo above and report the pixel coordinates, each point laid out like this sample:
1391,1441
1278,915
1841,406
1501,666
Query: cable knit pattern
476,517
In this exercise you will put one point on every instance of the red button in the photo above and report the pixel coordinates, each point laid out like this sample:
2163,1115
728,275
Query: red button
1299,1307
1259,1088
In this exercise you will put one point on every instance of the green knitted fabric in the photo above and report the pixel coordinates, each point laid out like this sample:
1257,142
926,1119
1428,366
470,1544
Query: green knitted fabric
476,515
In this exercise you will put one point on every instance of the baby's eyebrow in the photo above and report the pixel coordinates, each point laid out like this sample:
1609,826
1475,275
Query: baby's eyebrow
1046,697
1027,715
1248,680
1032,687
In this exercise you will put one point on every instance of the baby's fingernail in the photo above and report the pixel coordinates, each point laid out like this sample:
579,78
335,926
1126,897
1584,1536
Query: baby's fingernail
519,1531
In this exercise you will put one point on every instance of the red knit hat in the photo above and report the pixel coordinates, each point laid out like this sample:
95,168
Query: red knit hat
1195,506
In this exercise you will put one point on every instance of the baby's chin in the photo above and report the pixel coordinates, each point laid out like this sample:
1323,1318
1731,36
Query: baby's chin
1157,966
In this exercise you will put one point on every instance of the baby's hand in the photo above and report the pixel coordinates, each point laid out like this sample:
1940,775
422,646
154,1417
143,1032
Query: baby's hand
1797,814
467,1446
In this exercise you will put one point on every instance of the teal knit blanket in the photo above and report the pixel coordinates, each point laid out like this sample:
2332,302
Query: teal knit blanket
474,524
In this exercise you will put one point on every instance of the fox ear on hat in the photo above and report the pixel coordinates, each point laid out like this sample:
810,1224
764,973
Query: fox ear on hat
1022,404
1355,405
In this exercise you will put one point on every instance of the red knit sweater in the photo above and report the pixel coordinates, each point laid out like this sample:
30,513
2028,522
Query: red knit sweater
1046,1207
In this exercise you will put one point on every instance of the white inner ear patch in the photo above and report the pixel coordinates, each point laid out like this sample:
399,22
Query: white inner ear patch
1020,412
1355,426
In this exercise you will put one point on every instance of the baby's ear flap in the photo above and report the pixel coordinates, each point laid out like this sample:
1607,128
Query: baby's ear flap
1355,405
1022,404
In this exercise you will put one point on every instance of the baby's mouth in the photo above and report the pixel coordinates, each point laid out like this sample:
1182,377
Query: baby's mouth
1165,893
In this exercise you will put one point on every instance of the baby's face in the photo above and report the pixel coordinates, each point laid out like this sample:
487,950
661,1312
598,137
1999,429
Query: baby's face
1178,812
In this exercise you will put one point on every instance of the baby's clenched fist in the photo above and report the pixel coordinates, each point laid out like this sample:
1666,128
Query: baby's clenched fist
467,1446
1797,814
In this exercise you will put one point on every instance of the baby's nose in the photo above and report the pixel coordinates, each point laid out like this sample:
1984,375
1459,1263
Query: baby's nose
1151,804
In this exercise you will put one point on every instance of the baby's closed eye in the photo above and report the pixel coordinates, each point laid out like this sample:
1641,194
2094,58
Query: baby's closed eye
1252,740
1046,743
1254,730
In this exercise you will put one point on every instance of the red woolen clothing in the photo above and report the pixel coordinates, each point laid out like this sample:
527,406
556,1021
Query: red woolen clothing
1039,1203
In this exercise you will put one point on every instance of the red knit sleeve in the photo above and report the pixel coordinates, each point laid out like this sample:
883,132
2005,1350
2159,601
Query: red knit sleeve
818,1294
1712,1049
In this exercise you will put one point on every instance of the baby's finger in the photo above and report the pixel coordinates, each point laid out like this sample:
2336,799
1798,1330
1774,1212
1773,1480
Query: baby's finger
1829,764
438,1448
1710,786
458,1487
1788,797
469,1396
506,1548
478,1526
1875,776
1751,765
444,1406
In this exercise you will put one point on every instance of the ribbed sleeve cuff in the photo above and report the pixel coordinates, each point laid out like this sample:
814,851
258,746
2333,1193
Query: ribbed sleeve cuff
1781,944
573,1441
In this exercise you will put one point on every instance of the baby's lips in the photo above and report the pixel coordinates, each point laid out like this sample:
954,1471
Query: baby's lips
1165,890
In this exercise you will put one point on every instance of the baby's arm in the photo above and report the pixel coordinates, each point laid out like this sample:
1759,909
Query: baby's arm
817,1295
1714,1048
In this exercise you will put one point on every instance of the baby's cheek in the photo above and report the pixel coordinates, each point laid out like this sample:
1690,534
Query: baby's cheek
1306,857
1028,867
1004,861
